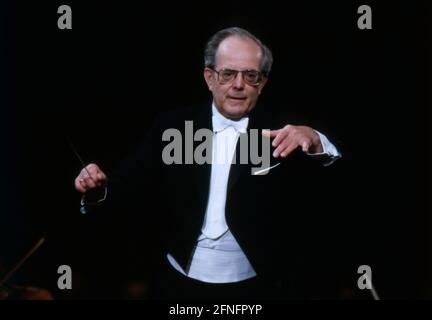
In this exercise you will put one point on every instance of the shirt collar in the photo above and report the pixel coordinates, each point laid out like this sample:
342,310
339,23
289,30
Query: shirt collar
220,122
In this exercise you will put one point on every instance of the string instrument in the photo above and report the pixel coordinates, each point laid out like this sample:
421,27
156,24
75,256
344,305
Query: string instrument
10,291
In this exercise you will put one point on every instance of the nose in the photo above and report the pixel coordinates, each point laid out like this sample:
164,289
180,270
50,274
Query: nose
239,82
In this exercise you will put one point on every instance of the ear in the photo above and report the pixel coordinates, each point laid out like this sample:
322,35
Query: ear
208,77
262,84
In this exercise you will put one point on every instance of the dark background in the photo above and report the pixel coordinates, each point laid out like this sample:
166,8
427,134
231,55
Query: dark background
102,82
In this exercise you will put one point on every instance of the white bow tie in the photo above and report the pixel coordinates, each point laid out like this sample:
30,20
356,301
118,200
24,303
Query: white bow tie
220,124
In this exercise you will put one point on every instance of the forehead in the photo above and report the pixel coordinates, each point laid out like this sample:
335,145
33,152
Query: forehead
238,53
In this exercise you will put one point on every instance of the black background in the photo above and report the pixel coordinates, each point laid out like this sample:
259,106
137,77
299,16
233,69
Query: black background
103,81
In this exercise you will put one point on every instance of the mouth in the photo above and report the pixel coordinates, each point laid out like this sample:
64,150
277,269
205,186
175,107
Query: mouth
237,98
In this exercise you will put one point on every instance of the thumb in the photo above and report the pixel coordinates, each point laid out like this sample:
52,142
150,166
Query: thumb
270,133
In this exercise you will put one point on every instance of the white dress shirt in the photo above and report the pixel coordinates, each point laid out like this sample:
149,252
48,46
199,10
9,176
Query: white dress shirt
217,257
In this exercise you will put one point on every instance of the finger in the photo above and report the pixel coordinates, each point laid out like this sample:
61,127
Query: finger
305,146
286,147
280,149
290,148
101,177
84,173
266,133
91,171
270,133
89,182
280,137
78,186
83,184
93,174
98,179
97,174
93,168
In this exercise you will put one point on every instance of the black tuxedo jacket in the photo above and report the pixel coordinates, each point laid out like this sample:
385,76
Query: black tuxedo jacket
280,219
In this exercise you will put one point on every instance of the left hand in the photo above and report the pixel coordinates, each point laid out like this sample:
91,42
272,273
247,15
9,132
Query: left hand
287,139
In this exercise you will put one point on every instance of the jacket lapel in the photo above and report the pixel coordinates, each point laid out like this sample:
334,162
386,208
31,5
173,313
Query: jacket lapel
202,172
237,169
257,121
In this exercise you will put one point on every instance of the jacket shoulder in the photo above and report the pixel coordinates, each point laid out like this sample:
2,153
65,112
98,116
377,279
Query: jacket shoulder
176,118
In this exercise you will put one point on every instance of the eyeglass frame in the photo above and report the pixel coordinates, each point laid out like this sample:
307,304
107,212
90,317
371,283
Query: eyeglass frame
260,74
84,203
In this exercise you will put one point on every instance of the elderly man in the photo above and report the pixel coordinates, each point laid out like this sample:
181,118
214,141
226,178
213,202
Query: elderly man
223,232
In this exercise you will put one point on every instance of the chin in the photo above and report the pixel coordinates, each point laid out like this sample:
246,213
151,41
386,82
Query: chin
236,112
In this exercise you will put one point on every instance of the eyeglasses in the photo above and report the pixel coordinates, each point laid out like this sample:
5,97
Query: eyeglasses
84,203
251,77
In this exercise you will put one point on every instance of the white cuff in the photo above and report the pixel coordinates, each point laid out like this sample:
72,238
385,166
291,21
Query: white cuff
330,154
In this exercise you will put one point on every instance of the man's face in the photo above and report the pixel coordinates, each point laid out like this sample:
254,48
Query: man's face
236,98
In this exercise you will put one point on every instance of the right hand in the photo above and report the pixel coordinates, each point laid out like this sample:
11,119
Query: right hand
97,178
